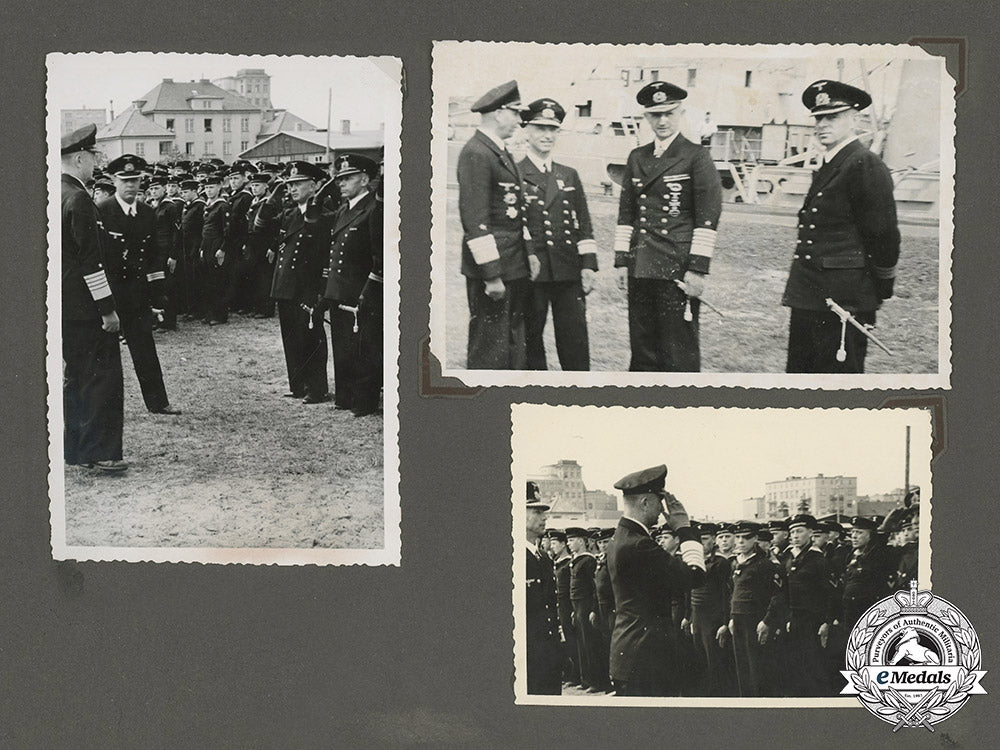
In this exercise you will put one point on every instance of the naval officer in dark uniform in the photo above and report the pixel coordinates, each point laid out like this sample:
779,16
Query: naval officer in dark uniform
298,278
137,275
353,289
544,662
495,261
644,652
848,240
668,213
93,391
563,240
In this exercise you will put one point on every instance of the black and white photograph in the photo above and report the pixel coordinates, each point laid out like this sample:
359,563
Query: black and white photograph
708,556
223,315
707,215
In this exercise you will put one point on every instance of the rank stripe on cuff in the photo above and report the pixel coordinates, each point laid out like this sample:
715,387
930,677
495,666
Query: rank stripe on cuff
586,246
97,283
623,238
884,272
693,554
484,249
703,242
156,276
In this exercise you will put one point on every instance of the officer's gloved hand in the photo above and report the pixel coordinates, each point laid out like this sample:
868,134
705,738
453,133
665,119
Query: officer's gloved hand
587,279
593,619
763,632
495,289
277,195
694,284
674,512
721,635
534,266
824,634
884,287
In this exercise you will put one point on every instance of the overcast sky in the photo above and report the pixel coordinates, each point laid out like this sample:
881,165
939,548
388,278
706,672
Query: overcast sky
298,83
717,457
469,69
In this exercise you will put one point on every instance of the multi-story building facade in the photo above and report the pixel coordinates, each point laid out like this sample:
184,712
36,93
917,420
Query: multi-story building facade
818,496
561,485
252,84
74,119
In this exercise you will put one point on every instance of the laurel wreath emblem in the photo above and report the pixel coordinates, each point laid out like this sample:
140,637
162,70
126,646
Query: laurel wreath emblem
889,703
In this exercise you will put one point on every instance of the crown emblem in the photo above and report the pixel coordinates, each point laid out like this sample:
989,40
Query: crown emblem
822,98
913,602
345,163
659,97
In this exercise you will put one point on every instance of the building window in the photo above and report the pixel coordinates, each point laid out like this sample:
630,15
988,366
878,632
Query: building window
227,124
188,124
244,145
584,110
244,124
208,124
654,75
227,148
207,148
164,148
170,123
692,77
140,149
189,148
256,88
241,87
746,79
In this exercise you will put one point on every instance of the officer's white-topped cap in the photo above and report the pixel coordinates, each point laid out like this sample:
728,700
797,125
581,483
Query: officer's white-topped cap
660,96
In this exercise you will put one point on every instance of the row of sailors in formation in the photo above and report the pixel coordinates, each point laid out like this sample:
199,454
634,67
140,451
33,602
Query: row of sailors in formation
223,240
851,565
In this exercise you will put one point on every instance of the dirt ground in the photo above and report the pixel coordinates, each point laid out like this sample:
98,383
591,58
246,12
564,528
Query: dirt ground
242,466
752,257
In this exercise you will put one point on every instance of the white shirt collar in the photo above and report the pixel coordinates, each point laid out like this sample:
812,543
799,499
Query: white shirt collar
661,146
302,207
544,165
128,208
496,139
832,152
533,549
354,201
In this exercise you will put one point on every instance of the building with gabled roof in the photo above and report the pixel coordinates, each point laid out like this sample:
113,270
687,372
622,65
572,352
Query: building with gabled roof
133,133
311,146
283,121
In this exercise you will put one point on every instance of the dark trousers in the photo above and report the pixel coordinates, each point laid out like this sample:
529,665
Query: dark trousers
806,675
93,393
571,662
588,647
569,319
172,287
345,340
216,289
189,288
543,667
305,349
369,375
239,295
137,328
718,679
747,653
661,339
497,327
263,273
814,339
605,626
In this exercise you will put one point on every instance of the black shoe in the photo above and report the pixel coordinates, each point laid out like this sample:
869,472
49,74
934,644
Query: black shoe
311,399
106,467
364,411
293,394
168,409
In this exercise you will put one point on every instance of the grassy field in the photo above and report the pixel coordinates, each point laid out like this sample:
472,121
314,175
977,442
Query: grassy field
242,466
752,257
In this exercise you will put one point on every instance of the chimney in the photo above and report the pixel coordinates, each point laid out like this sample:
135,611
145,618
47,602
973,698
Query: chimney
168,80
139,103
345,127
